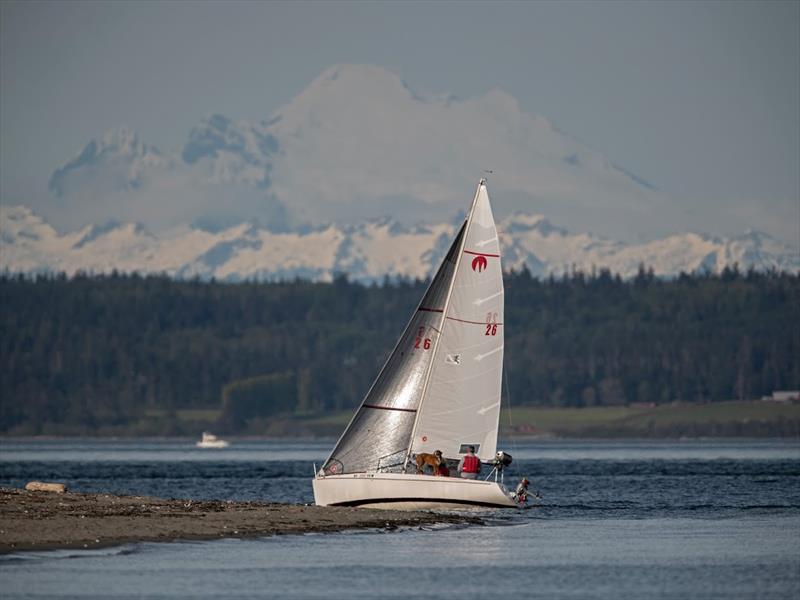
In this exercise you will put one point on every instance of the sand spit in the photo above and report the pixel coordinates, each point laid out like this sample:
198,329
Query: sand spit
48,521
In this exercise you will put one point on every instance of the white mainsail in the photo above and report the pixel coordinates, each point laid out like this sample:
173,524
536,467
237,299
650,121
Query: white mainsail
440,387
461,405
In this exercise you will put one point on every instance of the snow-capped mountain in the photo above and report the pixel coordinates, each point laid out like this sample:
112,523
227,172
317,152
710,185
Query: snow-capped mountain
367,251
118,161
355,145
303,193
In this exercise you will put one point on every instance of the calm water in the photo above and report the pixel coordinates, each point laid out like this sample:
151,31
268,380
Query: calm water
617,520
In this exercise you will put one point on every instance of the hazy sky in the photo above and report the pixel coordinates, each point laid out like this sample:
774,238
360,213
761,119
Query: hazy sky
700,99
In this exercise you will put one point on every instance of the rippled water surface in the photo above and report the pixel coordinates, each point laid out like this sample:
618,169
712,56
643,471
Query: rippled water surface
616,520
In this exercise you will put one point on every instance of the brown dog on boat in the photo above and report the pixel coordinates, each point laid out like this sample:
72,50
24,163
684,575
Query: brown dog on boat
434,460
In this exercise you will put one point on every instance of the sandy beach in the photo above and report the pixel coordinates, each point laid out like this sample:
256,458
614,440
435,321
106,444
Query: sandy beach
46,521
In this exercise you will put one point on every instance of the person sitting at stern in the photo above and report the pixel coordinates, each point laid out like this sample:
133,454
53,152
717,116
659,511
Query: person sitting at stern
470,465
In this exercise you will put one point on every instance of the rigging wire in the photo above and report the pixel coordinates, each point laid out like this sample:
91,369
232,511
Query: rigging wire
510,420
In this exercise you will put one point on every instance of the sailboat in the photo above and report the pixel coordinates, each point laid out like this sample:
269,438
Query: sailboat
439,390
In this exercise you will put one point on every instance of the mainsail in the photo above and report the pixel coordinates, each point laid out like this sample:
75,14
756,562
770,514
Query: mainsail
440,387
462,401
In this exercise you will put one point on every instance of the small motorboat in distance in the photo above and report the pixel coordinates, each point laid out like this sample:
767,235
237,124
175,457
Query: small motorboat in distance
209,440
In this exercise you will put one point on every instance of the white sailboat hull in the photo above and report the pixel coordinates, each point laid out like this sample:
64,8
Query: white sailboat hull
408,492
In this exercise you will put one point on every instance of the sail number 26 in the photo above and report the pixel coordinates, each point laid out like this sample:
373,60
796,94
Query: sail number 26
491,323
424,343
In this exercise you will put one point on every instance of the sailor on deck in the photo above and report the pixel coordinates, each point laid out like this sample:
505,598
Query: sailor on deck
470,465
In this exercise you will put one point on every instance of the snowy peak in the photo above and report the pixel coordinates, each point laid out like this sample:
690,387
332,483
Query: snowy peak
126,142
113,232
213,135
21,224
218,134
341,79
358,140
18,215
220,151
355,144
367,251
117,150
519,223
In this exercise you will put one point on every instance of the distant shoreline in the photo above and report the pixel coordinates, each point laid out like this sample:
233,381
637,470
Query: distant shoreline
676,420
50,521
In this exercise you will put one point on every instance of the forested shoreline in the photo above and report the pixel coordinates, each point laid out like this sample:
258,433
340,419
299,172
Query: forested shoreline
129,353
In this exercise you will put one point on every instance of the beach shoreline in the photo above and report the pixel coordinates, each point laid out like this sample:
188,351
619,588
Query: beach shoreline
52,521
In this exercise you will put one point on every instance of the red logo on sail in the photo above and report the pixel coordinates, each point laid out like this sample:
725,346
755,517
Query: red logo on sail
479,263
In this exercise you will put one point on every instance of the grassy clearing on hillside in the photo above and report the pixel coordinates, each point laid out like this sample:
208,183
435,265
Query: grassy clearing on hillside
562,421
672,420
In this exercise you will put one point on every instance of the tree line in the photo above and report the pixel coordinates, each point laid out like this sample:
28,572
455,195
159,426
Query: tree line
93,352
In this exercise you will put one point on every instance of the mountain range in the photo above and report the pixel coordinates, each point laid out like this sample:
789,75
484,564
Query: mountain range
357,144
367,251
306,192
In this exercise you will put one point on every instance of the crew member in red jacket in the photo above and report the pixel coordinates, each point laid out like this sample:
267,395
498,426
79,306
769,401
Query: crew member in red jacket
470,465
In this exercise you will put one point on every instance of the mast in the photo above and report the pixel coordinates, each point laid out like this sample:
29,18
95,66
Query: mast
444,317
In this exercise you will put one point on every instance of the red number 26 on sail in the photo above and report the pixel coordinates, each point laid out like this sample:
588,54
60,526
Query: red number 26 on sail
426,343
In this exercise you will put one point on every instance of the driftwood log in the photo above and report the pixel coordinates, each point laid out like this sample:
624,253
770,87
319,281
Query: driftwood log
41,486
